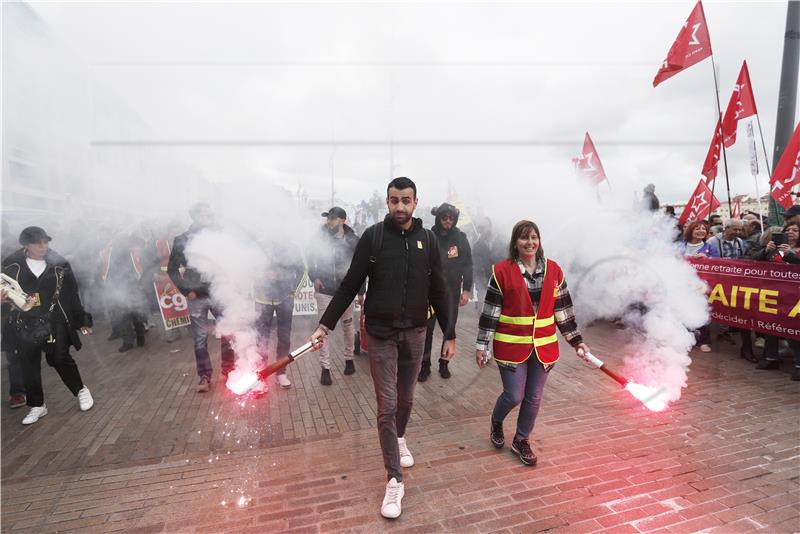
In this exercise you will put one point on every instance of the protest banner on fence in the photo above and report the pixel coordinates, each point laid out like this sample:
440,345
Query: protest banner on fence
304,301
760,296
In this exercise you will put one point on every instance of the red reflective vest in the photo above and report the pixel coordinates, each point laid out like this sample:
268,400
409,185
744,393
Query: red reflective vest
520,332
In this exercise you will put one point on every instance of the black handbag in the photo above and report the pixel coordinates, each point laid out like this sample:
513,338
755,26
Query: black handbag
38,330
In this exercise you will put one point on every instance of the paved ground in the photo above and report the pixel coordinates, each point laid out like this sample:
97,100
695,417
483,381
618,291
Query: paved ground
154,456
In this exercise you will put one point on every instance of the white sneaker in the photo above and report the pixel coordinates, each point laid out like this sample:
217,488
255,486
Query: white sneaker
390,508
406,460
283,381
35,414
705,348
85,400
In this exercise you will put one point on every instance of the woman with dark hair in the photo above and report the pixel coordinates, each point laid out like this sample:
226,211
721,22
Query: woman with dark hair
788,252
51,324
526,299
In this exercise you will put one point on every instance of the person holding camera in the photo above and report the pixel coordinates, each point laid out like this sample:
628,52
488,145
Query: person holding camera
781,247
50,324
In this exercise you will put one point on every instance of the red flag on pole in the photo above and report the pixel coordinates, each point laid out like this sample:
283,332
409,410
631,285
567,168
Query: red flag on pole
692,45
712,157
741,105
787,172
737,208
589,162
700,205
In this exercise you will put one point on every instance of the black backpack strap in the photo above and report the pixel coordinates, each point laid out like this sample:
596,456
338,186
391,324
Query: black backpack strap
377,243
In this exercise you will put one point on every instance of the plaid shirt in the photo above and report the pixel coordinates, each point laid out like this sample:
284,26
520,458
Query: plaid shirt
493,305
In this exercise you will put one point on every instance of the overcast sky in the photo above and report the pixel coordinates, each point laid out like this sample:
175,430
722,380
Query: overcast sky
459,87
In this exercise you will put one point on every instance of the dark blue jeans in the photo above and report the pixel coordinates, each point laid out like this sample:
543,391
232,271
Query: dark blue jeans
394,364
521,384
275,318
199,308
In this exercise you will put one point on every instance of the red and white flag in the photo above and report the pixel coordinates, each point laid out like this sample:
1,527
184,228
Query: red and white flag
700,205
787,172
737,208
588,164
712,157
692,45
741,105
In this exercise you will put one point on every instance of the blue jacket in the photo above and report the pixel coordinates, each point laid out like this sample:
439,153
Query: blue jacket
706,249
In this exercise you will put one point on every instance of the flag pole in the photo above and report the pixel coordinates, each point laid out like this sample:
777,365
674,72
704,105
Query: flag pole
724,152
769,172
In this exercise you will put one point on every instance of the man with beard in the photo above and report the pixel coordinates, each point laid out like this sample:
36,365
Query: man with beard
457,262
405,276
328,260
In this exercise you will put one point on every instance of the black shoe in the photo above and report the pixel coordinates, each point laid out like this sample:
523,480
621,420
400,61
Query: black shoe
496,434
444,372
325,379
747,354
140,341
768,364
796,373
125,347
113,336
523,449
349,367
424,372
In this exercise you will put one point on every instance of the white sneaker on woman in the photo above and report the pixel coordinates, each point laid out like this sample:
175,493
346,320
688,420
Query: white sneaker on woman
406,460
85,400
391,507
36,413
283,381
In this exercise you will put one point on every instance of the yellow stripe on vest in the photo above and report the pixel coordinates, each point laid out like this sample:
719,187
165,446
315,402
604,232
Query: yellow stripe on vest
547,321
507,319
545,340
525,340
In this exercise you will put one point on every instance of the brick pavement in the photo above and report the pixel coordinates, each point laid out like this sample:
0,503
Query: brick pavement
154,456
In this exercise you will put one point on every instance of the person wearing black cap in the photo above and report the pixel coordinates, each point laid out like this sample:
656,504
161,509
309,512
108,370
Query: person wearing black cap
457,263
328,259
792,215
51,325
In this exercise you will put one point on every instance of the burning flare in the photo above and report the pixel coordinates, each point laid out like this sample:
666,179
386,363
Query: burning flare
653,399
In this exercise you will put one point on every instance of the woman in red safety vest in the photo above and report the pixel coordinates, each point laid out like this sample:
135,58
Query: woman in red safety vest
526,299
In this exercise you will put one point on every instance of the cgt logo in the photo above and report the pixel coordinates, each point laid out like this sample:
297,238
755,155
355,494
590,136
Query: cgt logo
176,301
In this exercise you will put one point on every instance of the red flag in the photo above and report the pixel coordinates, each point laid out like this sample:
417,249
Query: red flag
787,172
589,162
737,208
691,46
712,158
700,206
741,105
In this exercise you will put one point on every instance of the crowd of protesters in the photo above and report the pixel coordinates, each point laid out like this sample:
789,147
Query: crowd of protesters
405,278
744,239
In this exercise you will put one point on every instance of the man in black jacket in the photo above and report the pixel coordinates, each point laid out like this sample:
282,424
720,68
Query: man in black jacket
329,256
457,262
190,283
405,277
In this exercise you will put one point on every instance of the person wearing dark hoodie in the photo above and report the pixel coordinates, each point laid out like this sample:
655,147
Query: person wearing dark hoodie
190,283
51,325
457,264
328,260
405,277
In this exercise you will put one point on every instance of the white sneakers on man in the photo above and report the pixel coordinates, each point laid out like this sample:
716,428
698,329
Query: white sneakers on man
391,507
283,381
85,400
406,460
36,413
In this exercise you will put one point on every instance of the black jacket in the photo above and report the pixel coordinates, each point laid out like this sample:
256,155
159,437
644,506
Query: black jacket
329,257
456,256
405,279
191,280
68,309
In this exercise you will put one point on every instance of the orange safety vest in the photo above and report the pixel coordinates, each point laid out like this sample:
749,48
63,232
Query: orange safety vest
520,332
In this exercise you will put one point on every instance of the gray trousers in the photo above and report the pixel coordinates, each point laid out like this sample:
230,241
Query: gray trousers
348,331
394,364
